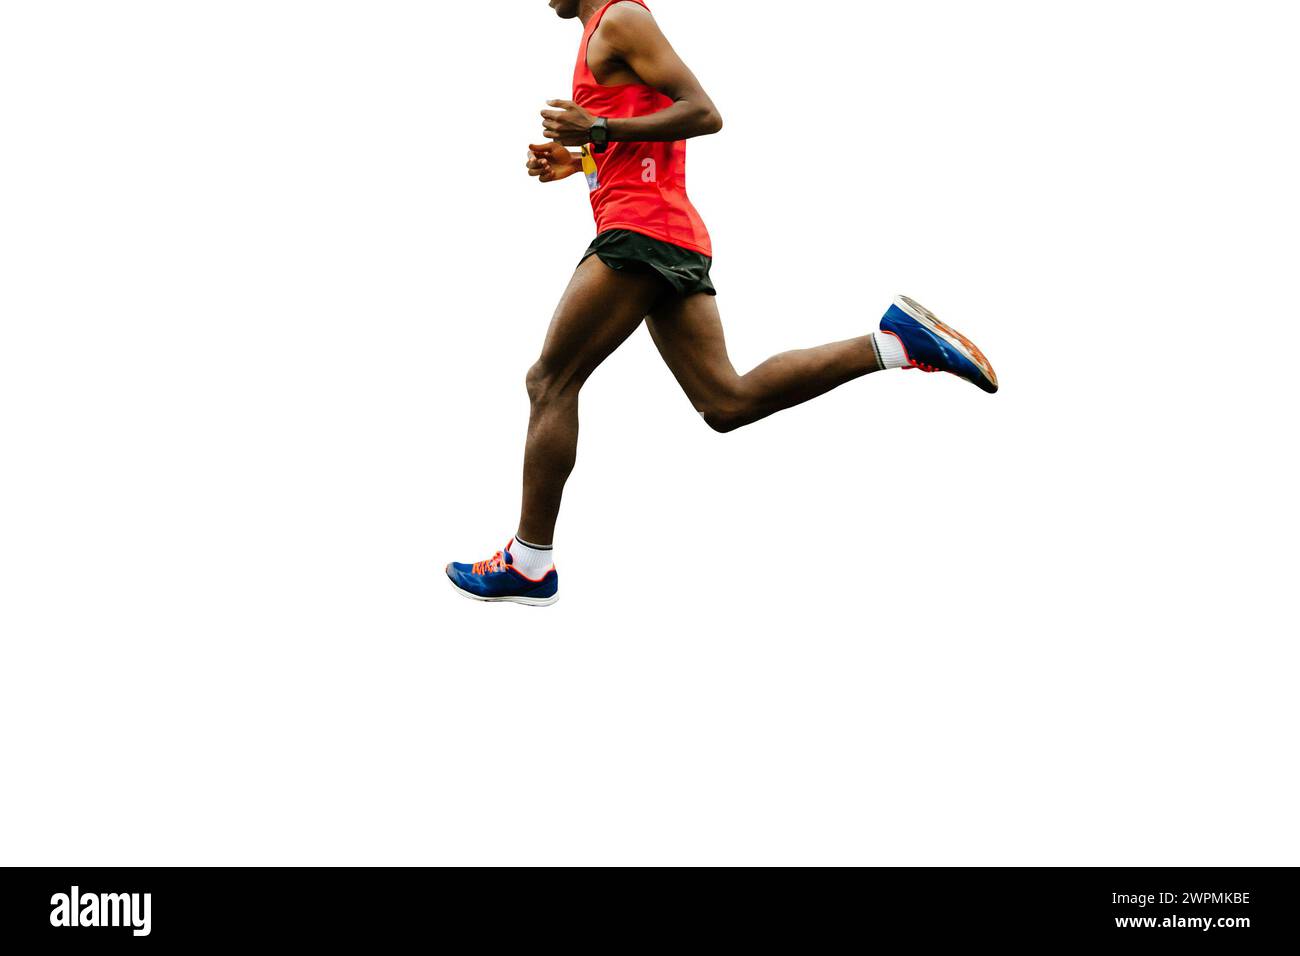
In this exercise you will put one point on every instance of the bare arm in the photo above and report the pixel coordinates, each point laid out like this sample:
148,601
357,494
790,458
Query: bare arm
636,40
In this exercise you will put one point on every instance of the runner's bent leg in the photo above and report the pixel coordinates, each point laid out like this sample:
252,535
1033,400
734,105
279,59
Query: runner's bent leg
598,311
688,334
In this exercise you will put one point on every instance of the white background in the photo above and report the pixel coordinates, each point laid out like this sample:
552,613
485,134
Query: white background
272,273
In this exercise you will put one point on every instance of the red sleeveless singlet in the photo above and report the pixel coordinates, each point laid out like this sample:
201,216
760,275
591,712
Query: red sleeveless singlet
636,186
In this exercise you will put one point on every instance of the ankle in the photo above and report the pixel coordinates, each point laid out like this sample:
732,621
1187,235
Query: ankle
889,350
531,560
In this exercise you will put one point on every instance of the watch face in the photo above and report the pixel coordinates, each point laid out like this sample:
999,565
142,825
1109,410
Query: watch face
600,134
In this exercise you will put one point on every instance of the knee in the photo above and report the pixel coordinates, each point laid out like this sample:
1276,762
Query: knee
537,381
545,383
725,413
727,406
723,422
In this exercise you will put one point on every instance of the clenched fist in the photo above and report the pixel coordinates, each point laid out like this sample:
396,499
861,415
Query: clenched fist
569,125
551,161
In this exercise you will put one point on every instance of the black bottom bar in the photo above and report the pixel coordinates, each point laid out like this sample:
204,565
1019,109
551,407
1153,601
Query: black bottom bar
1223,908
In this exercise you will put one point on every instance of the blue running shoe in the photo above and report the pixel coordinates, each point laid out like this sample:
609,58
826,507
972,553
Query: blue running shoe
934,346
497,580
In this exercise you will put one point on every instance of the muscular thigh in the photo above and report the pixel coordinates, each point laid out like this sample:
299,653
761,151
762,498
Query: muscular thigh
688,333
600,308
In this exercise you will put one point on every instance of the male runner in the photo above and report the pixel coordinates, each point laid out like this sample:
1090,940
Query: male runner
635,103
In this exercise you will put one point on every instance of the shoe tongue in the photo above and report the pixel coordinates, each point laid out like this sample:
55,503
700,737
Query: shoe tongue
506,557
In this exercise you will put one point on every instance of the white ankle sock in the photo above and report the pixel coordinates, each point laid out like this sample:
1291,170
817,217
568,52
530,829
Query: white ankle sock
890,350
531,560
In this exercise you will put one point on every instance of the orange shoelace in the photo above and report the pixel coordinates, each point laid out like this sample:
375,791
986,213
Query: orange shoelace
495,563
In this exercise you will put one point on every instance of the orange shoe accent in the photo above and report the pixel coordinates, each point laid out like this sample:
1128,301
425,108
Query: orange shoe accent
495,563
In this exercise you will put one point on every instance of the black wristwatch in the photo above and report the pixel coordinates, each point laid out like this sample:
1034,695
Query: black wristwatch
599,135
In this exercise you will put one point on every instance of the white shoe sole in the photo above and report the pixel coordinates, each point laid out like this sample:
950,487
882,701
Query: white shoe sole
531,602
950,335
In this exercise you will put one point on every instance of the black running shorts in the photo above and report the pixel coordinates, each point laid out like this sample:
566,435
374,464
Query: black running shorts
686,271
